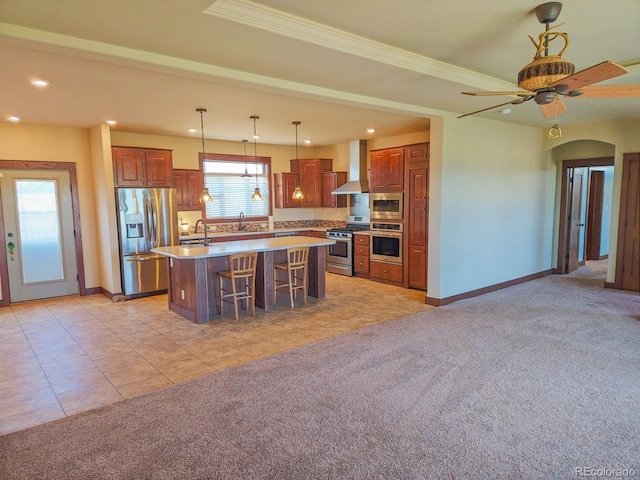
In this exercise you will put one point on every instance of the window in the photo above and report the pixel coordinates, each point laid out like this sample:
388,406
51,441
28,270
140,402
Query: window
230,192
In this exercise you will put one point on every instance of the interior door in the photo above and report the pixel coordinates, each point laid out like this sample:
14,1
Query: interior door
39,234
594,215
573,259
628,256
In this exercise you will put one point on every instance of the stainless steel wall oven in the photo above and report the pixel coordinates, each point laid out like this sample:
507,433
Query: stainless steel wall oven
386,242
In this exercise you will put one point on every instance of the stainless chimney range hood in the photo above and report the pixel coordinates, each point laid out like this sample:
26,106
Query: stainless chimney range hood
358,182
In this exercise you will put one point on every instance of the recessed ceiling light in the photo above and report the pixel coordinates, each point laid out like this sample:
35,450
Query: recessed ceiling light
39,83
371,130
111,122
14,119
306,140
192,130
505,111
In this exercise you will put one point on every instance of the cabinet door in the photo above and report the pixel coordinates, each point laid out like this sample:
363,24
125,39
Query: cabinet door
378,167
331,181
395,179
310,183
188,185
418,198
387,170
195,184
159,168
284,185
180,184
129,166
416,153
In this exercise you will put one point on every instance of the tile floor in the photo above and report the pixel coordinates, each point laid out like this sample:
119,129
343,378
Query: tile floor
66,355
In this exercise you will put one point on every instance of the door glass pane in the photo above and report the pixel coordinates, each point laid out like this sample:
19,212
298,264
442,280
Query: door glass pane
39,227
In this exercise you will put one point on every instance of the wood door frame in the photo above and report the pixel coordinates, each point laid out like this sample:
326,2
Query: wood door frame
563,216
75,205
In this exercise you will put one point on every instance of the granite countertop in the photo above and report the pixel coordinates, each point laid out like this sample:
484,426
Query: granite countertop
222,249
214,235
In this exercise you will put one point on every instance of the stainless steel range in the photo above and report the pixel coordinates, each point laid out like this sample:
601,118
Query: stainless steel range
340,258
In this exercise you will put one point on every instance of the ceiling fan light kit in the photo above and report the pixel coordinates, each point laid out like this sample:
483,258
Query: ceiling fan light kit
549,77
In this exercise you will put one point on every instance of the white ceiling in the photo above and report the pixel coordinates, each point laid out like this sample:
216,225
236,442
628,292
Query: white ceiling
339,66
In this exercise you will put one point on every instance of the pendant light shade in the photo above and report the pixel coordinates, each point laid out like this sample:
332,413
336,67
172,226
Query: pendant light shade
297,192
257,196
204,196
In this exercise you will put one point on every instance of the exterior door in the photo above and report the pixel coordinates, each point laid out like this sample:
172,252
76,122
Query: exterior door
573,260
39,234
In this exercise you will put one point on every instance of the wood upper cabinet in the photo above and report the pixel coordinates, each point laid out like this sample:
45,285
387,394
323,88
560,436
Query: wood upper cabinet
331,181
416,153
283,186
142,167
310,171
189,185
387,170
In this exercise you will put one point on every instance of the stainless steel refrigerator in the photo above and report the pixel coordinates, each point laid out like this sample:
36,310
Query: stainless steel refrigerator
147,218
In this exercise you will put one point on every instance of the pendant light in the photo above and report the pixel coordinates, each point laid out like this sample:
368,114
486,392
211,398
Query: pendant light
257,196
246,175
297,193
204,196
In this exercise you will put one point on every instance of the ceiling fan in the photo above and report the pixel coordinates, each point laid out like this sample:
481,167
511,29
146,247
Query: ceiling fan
549,77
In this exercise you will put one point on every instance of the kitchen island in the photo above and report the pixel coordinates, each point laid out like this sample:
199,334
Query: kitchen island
193,289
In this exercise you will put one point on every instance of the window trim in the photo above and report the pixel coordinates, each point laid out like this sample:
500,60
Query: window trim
266,162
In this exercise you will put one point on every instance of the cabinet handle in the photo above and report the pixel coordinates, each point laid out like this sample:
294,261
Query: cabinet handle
386,271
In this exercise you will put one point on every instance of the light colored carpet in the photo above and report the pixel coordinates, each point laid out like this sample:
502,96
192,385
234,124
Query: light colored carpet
532,381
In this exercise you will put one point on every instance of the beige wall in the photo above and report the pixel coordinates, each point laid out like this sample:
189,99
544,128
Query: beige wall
60,144
596,140
491,204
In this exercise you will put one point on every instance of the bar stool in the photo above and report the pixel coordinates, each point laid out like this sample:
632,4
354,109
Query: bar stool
242,267
296,268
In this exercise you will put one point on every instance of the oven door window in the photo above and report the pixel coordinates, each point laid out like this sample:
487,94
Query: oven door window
386,246
386,206
339,249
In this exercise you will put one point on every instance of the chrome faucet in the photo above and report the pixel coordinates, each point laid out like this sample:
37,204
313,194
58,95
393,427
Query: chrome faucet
240,226
204,229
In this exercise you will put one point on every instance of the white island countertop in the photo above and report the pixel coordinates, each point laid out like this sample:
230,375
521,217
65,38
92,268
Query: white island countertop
222,249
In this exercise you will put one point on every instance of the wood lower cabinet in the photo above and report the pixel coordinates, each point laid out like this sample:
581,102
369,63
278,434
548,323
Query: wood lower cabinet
283,186
331,181
386,272
310,171
387,170
361,254
189,185
142,167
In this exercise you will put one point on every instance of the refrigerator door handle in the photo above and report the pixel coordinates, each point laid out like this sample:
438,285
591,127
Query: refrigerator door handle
154,224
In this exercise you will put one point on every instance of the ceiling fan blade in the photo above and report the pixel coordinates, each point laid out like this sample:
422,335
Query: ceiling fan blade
513,102
597,73
554,108
611,91
521,93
